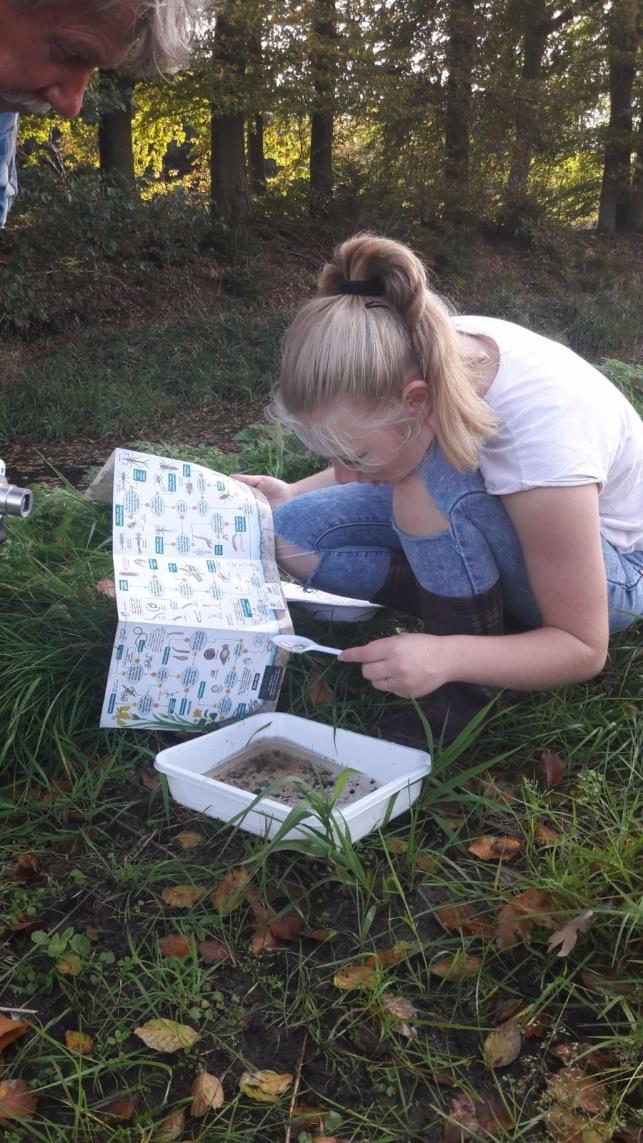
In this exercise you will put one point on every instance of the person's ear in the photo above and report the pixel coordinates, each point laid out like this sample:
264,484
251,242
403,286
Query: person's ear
416,398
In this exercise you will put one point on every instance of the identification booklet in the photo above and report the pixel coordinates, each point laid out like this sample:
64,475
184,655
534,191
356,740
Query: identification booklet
198,595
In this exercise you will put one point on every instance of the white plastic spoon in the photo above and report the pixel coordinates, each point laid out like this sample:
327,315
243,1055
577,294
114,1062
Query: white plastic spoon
299,643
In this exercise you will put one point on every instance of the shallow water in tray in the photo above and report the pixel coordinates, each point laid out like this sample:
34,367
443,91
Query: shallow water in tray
255,768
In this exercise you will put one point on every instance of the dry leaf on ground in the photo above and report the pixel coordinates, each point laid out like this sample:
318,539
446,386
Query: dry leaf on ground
175,945
318,690
529,909
502,1046
151,779
212,951
265,1086
10,1030
535,1027
553,768
567,935
491,848
461,918
545,835
188,840
78,1042
207,1095
574,1089
182,896
456,967
401,950
166,1035
355,976
16,1100
171,1128
488,1115
228,894
402,1012
120,1109
565,1127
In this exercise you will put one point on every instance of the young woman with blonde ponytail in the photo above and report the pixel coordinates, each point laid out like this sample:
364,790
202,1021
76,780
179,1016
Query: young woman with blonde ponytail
482,477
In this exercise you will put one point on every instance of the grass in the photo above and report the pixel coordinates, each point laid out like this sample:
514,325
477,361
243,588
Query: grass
120,382
88,843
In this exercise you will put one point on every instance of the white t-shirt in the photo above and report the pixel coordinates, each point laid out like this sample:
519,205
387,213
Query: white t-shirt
561,423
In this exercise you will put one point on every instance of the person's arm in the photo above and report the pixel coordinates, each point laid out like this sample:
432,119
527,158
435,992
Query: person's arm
278,491
559,533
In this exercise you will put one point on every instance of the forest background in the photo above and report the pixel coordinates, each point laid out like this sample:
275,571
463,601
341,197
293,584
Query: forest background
160,241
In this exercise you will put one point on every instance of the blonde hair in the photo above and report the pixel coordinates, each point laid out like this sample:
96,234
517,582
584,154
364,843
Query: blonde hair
363,349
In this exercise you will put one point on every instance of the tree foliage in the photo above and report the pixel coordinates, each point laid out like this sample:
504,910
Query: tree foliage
506,110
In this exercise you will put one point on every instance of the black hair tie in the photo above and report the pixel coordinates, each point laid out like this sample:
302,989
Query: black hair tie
362,287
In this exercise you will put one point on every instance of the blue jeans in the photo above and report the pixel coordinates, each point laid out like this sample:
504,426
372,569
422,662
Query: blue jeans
351,528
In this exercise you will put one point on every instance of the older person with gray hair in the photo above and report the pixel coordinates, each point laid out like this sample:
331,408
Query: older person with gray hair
49,49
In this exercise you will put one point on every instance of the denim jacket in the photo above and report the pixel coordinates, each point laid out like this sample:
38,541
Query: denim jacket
8,173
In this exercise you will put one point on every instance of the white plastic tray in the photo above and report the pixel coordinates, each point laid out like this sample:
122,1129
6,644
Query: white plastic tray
398,770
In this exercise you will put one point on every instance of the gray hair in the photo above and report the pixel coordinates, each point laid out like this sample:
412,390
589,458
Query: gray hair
165,30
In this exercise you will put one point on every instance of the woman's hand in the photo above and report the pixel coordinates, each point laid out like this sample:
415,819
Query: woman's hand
405,665
275,491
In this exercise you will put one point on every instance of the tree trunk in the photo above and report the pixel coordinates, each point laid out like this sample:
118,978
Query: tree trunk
534,40
460,51
323,108
635,215
229,198
614,205
115,149
256,158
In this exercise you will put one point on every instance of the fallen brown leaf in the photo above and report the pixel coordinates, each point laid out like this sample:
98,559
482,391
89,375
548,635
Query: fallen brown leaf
574,1089
488,1115
120,1109
461,918
16,1100
182,896
456,967
207,1095
355,976
605,982
175,945
402,1012
308,1118
171,1128
151,779
79,1042
553,768
91,933
212,951
318,690
491,848
545,835
567,936
188,840
565,1127
166,1035
502,1045
10,1030
536,1026
401,950
228,894
265,1086
262,940
529,909
22,925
